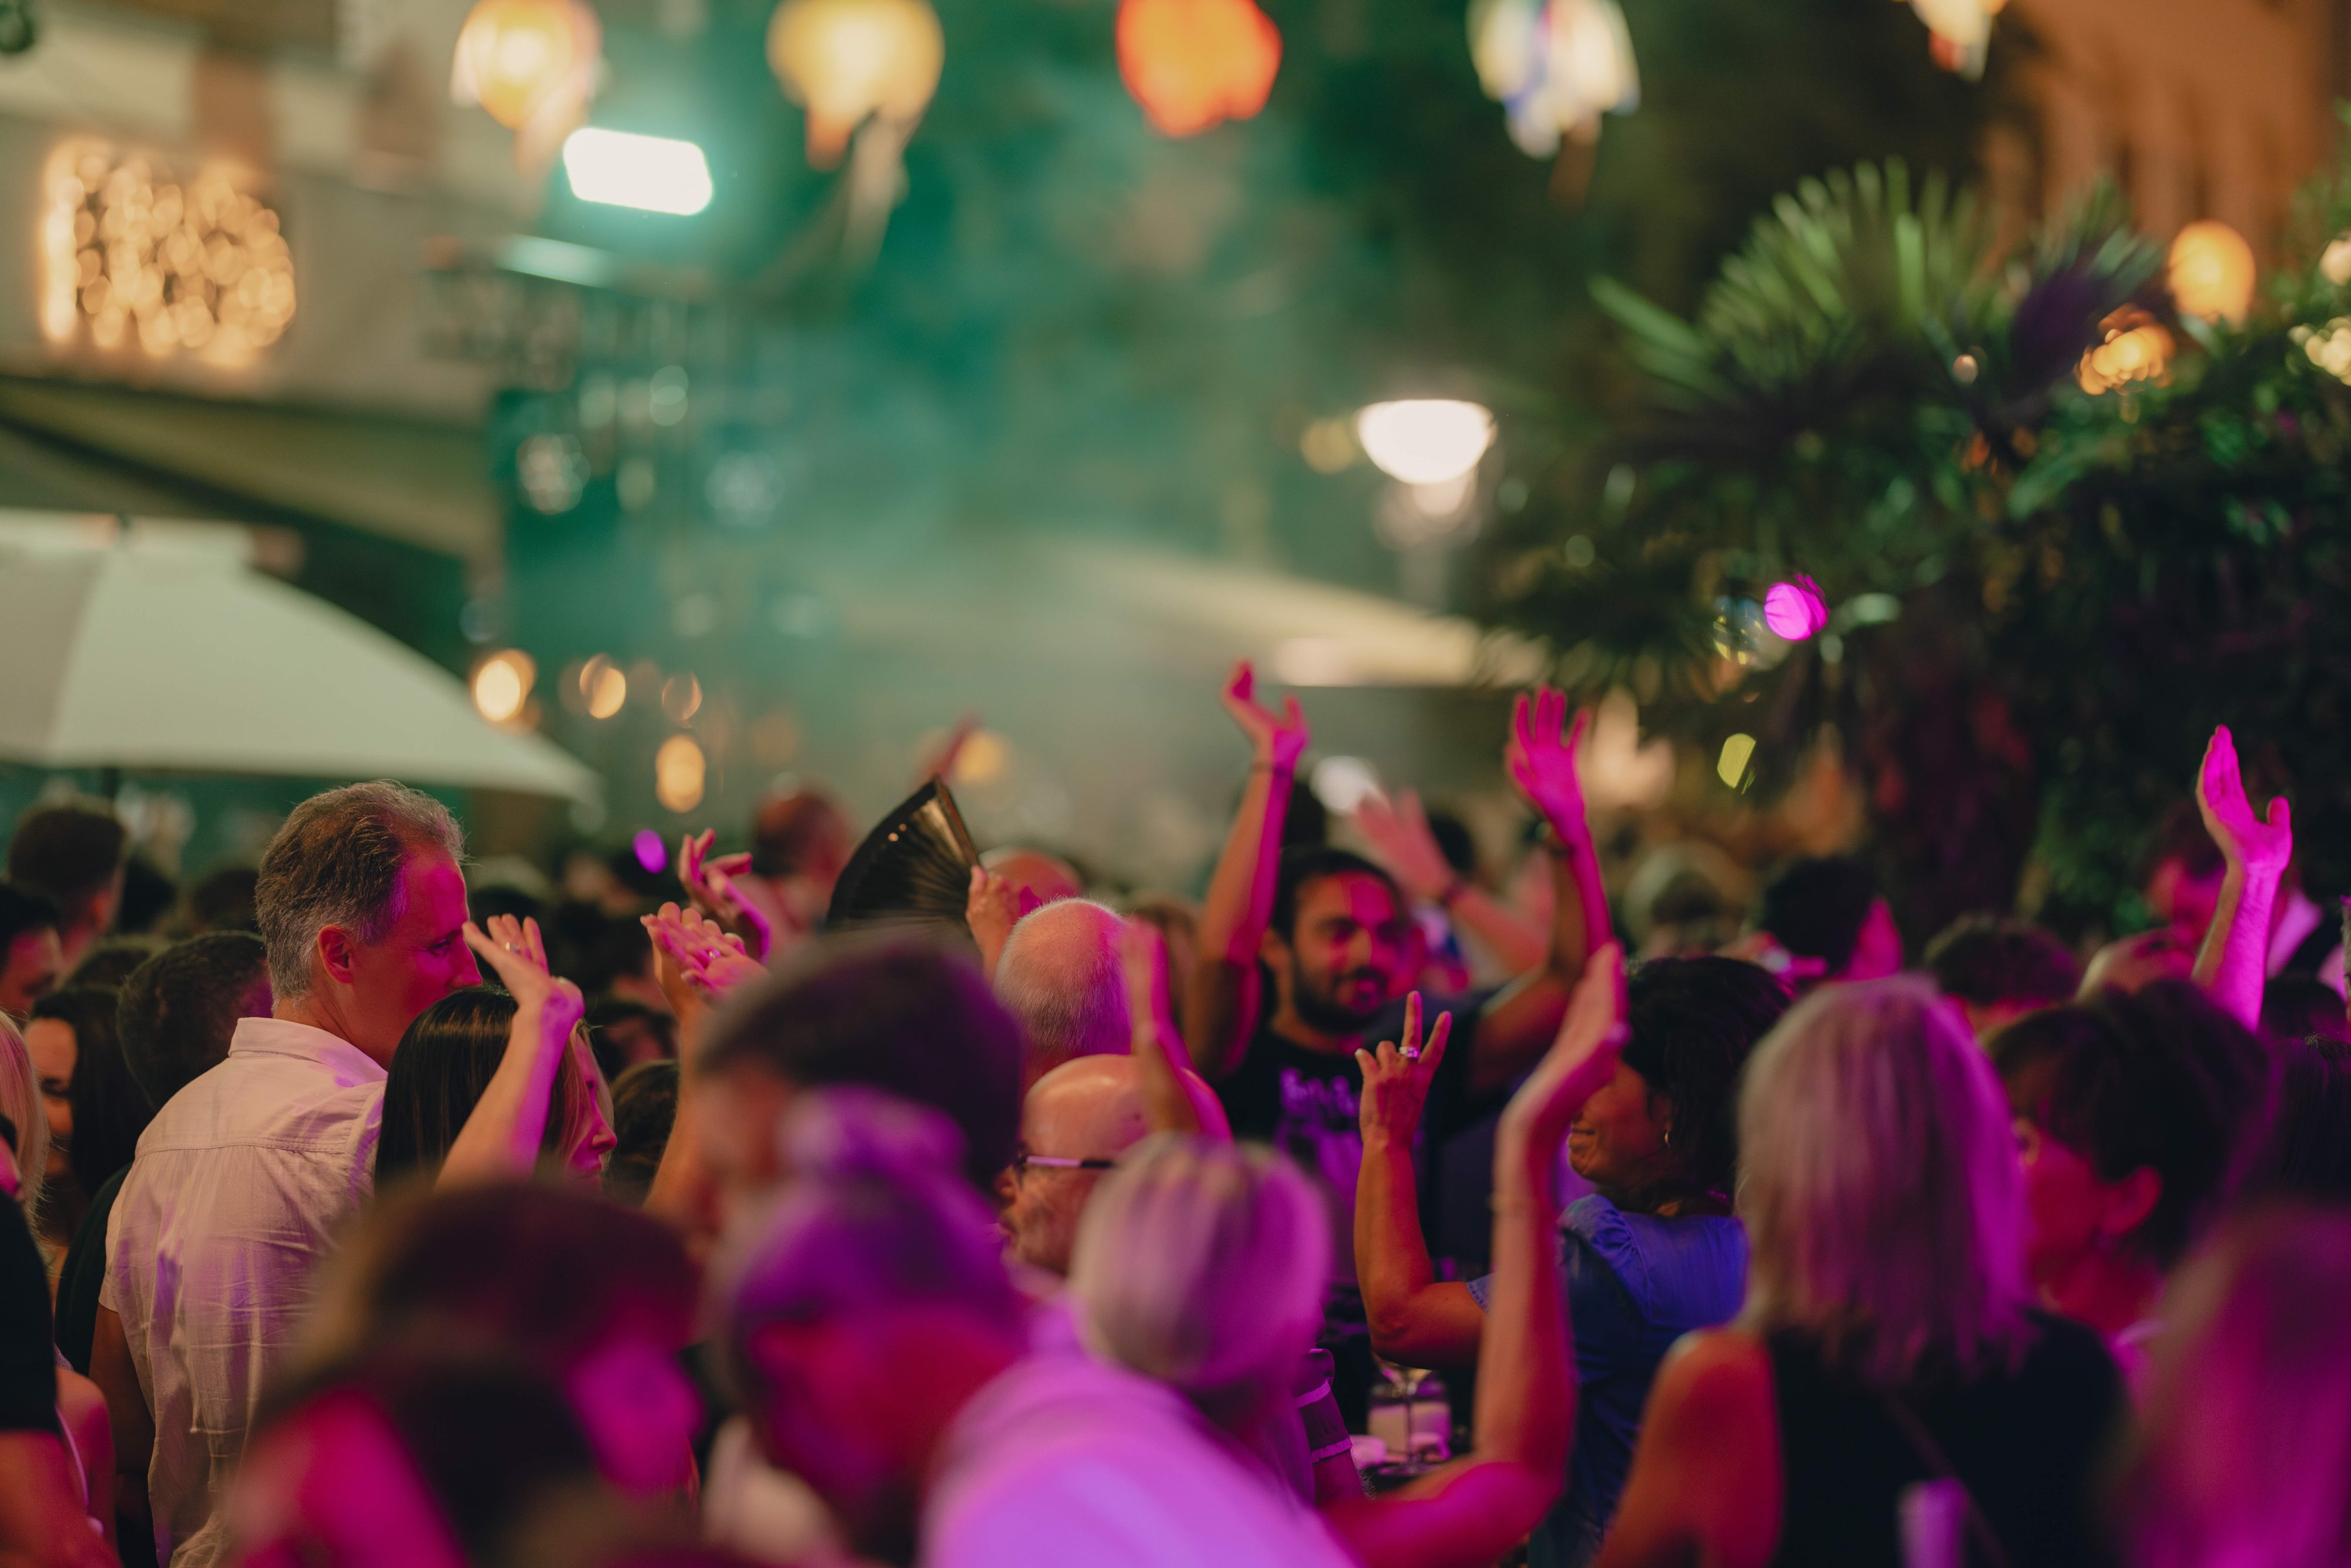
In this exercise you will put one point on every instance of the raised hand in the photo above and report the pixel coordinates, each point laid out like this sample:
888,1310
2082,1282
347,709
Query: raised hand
1398,834
2255,842
1540,759
1277,742
1397,1078
992,908
697,956
721,887
1152,1040
516,953
1582,1060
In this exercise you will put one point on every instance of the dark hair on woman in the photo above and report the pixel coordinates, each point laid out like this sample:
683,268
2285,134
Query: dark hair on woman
493,1442
1815,908
439,1070
2308,1155
2162,1080
1987,959
110,1111
539,1271
1693,1022
886,1011
644,1108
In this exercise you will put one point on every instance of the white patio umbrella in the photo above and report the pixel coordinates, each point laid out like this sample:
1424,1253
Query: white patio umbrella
161,648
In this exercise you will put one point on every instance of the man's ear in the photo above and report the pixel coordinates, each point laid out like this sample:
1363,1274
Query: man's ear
1273,951
338,953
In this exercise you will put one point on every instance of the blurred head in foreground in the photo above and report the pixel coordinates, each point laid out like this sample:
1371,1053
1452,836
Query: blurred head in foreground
597,1298
402,1460
865,1307
2246,1439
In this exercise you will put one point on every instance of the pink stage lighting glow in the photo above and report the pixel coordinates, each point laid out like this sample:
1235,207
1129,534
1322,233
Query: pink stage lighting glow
651,848
1794,610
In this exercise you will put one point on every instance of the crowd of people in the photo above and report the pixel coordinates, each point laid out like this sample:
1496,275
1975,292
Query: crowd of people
363,1213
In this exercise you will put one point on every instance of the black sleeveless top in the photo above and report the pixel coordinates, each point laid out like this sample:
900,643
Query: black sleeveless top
2026,1444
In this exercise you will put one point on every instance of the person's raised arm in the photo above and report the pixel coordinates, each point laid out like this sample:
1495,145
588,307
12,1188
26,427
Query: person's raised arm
1174,1098
1222,1002
992,908
695,962
501,1137
1416,1319
1399,835
2233,963
1516,1025
724,889
1474,1511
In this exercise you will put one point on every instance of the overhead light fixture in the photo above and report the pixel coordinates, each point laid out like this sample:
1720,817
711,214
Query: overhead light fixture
651,174
1425,441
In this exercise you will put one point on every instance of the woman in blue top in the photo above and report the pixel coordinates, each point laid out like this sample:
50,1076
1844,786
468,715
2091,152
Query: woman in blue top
1652,1254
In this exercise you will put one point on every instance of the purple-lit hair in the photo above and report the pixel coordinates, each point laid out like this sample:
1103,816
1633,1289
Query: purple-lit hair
876,1214
1203,1265
1879,1185
2245,1447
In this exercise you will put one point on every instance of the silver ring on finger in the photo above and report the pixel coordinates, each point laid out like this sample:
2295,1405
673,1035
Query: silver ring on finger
1410,1054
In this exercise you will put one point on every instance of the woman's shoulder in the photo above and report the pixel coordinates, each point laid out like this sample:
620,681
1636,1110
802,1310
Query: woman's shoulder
1716,1375
1691,1269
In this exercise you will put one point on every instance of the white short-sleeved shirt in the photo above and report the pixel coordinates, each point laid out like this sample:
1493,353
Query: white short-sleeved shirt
241,1183
1063,1462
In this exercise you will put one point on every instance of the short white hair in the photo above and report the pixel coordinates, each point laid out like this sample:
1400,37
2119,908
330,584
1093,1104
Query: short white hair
1204,1265
1061,974
1880,1186
20,1102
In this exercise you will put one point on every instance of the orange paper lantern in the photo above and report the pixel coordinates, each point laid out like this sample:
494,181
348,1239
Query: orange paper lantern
845,60
1193,64
515,56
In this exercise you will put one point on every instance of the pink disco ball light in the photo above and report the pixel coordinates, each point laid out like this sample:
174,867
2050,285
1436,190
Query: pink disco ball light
652,850
1795,611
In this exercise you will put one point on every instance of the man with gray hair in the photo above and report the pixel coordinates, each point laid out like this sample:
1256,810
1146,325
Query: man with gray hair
244,1176
1062,977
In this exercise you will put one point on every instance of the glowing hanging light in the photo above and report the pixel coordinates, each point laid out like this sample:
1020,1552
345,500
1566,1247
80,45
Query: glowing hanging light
2135,348
1557,66
679,769
1425,440
2211,272
1195,64
846,60
514,57
502,685
1794,610
1961,32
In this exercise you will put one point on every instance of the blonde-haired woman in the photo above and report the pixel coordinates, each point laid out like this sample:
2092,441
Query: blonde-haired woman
1888,1338
20,1102
2247,1437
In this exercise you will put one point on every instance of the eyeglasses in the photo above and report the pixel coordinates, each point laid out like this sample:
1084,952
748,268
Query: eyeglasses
1024,1159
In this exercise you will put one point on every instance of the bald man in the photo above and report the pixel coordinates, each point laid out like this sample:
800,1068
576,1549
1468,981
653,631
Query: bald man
1060,976
1089,1111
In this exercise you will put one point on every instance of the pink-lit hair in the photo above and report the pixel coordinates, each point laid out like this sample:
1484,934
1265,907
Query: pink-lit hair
20,1102
2245,1447
1203,1265
1879,1185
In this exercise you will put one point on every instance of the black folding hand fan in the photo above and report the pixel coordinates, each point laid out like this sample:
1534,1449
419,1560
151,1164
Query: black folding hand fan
912,871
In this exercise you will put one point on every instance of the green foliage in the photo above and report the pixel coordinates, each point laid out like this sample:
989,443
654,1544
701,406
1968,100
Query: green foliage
2085,583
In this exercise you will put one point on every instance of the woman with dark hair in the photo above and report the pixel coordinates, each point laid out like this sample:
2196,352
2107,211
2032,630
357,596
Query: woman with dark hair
1652,1254
597,1298
96,1109
444,1064
2136,1117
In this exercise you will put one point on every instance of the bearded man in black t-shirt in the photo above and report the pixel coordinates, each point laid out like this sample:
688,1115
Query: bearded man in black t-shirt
1333,936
